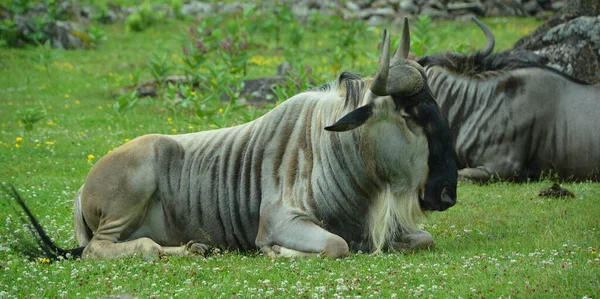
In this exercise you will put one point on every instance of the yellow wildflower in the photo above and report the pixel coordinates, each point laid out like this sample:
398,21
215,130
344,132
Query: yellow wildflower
190,127
220,110
91,157
38,144
100,107
67,95
174,131
49,142
19,139
17,145
76,102
50,123
170,120
127,139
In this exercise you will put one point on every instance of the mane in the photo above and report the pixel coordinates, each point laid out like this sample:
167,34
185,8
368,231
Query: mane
479,66
349,85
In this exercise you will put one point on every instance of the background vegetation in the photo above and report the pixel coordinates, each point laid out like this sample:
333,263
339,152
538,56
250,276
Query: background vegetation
60,111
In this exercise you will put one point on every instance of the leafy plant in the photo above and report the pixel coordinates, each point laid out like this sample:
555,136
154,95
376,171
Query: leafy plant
125,102
96,36
144,17
135,22
422,36
21,6
296,81
176,6
462,47
36,35
9,34
159,66
31,115
55,10
103,14
349,36
179,97
47,56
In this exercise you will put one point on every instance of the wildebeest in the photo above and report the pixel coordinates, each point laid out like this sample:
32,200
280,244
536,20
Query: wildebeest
515,118
293,182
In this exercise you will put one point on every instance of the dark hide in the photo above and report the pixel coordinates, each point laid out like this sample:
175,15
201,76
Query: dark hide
443,171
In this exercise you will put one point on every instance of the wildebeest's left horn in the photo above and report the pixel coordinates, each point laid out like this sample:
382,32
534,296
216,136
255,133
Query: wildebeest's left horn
404,48
379,86
405,78
489,36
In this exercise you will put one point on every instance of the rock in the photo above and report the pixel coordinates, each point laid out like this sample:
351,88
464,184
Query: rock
408,6
259,91
473,7
531,8
434,13
376,20
67,35
386,12
285,68
352,6
570,40
557,5
232,7
503,8
195,8
380,4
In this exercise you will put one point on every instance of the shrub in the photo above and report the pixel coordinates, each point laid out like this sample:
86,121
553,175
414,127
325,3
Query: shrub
144,17
135,23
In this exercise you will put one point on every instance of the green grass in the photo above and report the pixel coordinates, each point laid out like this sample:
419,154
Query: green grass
500,239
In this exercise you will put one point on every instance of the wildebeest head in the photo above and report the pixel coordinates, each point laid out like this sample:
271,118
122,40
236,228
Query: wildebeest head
404,80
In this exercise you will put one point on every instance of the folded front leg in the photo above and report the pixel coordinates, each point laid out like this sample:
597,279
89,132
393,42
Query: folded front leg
285,235
414,241
478,174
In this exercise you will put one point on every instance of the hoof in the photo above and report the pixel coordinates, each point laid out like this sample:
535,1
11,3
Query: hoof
196,248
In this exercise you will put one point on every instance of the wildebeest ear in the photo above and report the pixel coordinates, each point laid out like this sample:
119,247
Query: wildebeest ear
352,120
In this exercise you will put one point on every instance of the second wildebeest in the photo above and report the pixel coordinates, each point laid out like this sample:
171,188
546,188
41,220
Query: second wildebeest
515,118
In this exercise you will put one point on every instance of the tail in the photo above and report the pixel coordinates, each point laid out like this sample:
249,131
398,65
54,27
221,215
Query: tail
82,232
50,250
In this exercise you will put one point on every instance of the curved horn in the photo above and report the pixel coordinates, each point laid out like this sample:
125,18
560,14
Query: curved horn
404,48
489,36
379,86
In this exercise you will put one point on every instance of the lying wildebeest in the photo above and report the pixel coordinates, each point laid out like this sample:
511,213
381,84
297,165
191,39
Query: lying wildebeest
287,183
514,118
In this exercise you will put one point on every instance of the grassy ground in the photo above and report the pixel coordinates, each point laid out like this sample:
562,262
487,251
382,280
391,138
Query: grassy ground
500,240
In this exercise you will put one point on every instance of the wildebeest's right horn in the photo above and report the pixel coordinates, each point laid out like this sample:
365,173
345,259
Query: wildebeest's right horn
489,36
404,48
379,86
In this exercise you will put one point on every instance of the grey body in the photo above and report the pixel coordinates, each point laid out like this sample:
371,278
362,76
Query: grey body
519,122
219,187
